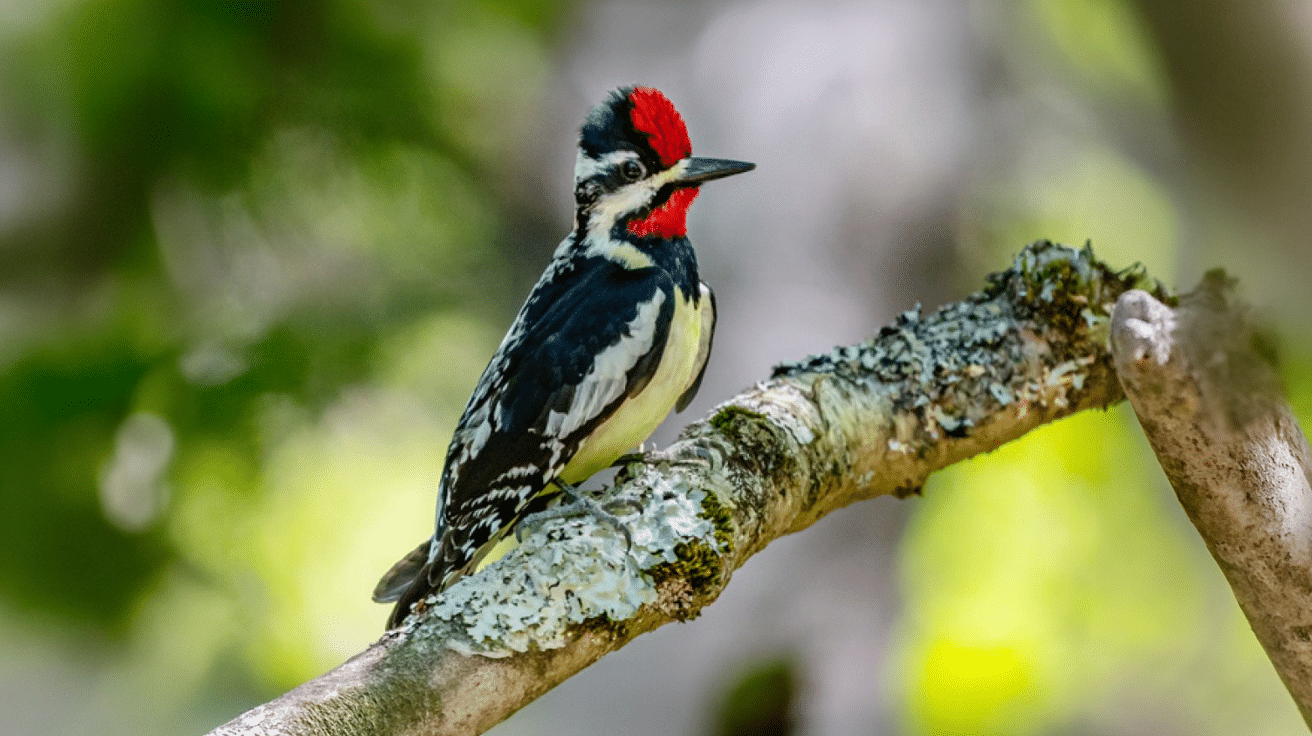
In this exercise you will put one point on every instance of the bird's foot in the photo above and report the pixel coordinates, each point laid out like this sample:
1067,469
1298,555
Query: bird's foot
653,456
640,455
629,458
580,502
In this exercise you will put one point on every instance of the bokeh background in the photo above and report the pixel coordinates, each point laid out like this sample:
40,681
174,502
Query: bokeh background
254,255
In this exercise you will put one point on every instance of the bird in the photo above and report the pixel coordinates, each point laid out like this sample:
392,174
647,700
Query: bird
615,333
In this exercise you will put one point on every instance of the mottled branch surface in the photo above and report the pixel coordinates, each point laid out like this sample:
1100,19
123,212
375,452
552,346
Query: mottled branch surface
860,422
1213,409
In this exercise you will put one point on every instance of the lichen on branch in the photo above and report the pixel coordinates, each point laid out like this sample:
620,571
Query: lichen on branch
860,421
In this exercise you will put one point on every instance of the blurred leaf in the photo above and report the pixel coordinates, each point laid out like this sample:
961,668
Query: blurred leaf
58,552
249,199
1105,40
761,702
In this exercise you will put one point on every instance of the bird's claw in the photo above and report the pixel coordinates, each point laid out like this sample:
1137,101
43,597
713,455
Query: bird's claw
579,498
629,458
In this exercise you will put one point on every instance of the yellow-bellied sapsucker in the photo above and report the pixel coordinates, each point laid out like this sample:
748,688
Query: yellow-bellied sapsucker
614,335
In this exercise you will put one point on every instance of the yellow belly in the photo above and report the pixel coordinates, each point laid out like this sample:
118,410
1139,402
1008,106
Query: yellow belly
638,416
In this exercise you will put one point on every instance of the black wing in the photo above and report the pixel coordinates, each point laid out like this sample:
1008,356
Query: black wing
591,333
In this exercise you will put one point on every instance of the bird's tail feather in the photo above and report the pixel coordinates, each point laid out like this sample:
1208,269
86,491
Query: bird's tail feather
417,590
396,580
415,577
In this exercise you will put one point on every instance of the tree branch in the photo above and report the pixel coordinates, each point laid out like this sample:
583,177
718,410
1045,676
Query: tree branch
1215,414
862,421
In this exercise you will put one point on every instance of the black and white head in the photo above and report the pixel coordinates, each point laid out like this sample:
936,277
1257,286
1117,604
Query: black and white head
635,167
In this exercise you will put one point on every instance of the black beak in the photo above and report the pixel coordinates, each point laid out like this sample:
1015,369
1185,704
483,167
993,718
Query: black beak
706,169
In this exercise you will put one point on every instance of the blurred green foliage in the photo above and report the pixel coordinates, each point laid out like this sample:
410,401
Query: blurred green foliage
237,212
1054,586
761,702
1052,590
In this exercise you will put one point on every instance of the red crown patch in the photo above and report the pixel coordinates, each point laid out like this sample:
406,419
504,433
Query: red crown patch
654,114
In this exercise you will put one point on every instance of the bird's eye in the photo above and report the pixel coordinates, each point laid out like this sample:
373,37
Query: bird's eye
632,170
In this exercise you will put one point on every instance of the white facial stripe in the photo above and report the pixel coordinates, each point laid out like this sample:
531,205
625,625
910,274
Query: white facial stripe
586,167
623,201
607,378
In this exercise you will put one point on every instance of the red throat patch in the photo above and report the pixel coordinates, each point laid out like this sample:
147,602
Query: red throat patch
670,220
654,114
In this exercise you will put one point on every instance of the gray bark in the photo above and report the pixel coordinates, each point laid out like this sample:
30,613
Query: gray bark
1200,382
862,421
